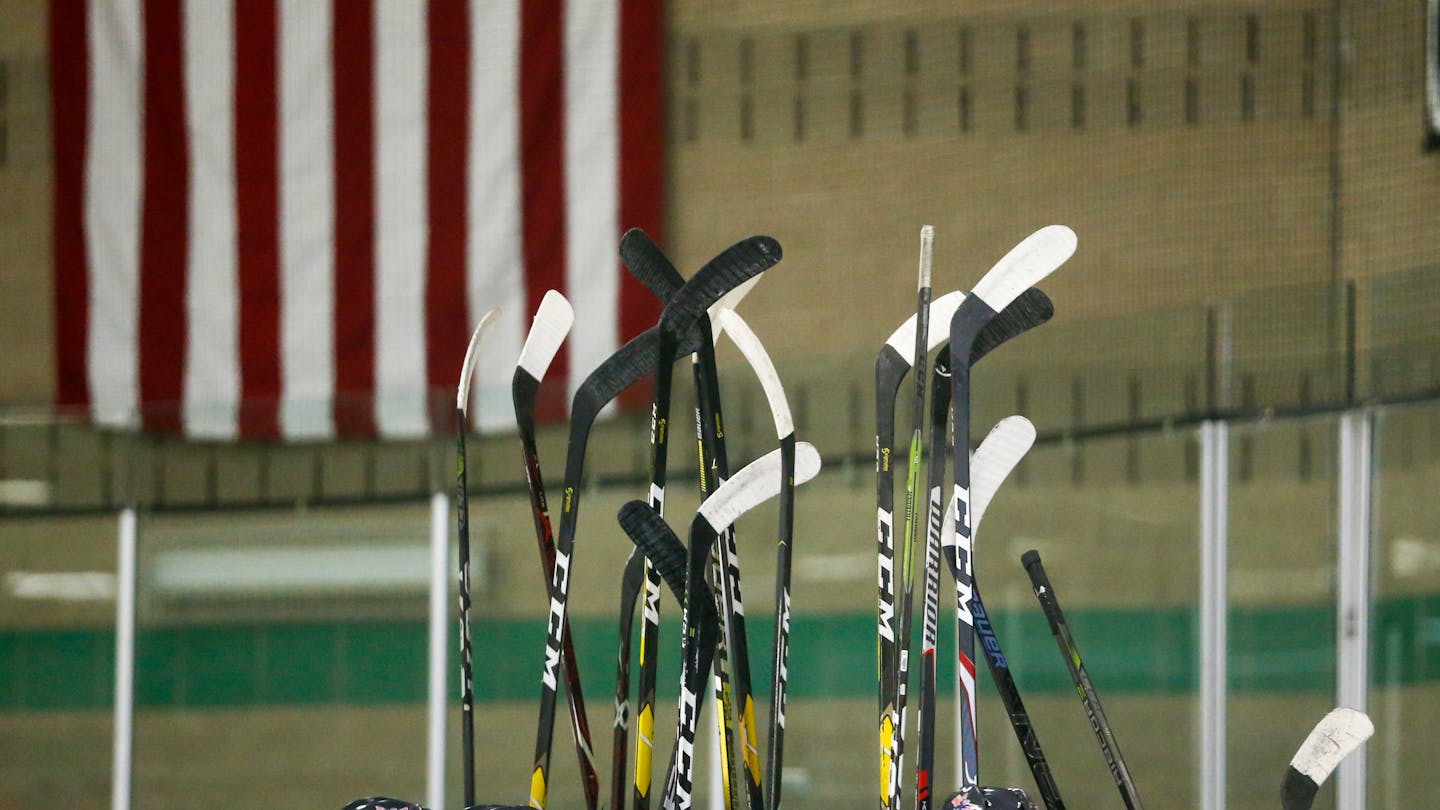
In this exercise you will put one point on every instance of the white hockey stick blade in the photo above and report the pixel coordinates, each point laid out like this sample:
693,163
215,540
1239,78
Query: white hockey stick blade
731,323
990,465
730,301
995,458
462,392
1336,735
942,309
552,323
757,482
1027,264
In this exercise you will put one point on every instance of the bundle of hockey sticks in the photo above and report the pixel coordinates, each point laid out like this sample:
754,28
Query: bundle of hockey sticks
704,576
1002,305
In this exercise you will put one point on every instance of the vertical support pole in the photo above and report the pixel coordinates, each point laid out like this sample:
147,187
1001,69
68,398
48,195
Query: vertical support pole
1352,631
121,769
439,661
1214,606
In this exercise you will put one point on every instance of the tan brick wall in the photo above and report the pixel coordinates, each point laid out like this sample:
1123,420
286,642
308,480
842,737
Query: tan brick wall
1187,144
26,341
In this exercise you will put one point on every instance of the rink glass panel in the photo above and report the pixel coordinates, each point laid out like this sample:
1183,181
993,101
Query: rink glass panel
1405,624
281,654
1282,555
58,658
1115,521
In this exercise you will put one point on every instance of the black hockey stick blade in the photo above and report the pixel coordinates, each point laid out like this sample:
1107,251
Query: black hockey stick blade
657,541
1029,310
1333,738
649,265
734,266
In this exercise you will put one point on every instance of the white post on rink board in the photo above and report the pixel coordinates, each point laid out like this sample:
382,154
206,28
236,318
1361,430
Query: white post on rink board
124,743
1214,589
1352,614
439,662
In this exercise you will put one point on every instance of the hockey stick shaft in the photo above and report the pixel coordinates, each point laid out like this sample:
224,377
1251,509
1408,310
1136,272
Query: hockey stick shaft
1099,723
759,360
912,492
1015,707
467,677
781,642
620,784
570,668
462,519
998,455
737,705
930,627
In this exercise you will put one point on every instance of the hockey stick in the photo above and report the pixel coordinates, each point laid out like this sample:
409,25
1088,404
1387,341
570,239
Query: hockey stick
997,455
732,324
547,331
663,280
1099,723
735,706
1031,309
634,360
1028,263
647,260
755,483
639,251
462,515
901,696
1333,738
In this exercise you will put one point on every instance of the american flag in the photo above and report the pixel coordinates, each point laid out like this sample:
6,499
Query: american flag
279,219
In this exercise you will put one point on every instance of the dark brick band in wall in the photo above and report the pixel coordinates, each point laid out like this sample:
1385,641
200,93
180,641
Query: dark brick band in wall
953,77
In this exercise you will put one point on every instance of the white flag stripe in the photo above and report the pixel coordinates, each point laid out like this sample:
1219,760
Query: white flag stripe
495,275
212,366
112,209
401,217
592,234
113,203
307,217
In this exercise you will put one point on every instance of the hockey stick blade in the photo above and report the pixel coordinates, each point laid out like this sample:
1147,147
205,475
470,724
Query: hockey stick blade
732,299
548,330
996,457
734,266
1336,735
754,484
750,346
657,541
462,391
1003,448
1027,264
649,265
1031,309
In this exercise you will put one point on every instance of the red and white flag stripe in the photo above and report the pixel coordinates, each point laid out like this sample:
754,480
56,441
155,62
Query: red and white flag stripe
280,219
